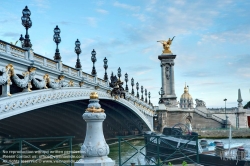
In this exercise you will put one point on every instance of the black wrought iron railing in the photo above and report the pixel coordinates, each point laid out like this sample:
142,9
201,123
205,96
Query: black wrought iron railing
26,151
159,150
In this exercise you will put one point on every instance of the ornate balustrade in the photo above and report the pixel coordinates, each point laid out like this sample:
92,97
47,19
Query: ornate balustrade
209,115
43,73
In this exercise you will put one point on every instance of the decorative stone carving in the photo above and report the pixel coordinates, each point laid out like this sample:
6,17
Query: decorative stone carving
41,84
200,103
170,103
58,83
116,84
28,76
167,72
94,150
5,76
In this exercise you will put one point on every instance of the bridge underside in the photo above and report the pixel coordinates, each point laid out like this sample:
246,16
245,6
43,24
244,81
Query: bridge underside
65,119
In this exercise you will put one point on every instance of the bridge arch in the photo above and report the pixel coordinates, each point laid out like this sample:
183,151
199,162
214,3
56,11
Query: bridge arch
25,102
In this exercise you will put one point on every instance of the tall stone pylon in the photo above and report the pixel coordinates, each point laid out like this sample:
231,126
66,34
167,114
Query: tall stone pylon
168,96
94,150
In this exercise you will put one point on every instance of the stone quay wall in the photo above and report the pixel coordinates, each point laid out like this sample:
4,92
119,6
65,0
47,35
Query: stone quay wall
223,133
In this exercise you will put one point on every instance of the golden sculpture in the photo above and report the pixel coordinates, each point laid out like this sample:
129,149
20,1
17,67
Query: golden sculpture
166,45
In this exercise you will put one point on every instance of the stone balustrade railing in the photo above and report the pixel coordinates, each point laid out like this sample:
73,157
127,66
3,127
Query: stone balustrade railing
71,76
221,110
148,109
209,115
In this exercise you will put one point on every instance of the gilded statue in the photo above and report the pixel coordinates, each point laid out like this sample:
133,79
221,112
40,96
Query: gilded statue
166,45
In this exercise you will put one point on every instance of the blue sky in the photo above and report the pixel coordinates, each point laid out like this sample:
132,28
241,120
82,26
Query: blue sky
212,40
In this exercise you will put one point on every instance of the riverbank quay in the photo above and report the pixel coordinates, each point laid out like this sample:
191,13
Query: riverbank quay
223,133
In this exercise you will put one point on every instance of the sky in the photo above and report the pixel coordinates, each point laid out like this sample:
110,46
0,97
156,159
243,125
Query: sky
211,44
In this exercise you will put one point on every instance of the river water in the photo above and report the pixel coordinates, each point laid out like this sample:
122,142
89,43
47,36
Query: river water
127,150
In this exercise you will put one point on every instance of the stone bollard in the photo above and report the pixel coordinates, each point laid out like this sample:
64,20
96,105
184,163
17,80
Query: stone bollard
94,150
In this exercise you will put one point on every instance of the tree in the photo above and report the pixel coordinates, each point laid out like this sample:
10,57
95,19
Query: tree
247,105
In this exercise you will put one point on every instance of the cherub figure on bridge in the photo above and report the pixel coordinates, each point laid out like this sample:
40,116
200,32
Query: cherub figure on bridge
166,45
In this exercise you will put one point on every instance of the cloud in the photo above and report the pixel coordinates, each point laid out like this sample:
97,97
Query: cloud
3,21
244,72
11,34
140,17
99,3
42,5
139,70
197,74
125,6
92,21
102,11
61,23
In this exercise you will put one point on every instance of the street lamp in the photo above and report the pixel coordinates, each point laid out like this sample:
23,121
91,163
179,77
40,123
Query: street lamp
149,98
57,40
78,51
126,80
142,93
93,59
146,93
132,84
119,74
137,87
225,113
105,67
27,23
161,93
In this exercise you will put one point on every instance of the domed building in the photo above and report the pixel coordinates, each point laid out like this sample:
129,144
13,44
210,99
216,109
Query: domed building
186,100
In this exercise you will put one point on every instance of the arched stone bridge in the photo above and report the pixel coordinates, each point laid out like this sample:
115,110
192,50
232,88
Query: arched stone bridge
43,97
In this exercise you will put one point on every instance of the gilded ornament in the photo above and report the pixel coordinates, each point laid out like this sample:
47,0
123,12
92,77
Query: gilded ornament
93,95
94,110
166,45
81,84
71,83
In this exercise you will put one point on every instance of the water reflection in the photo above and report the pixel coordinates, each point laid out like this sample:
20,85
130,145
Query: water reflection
138,150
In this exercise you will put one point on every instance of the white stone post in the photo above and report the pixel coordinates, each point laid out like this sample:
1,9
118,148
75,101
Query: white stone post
6,90
94,149
31,54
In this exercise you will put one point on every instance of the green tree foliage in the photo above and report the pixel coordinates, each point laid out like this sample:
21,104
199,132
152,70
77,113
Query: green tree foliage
247,105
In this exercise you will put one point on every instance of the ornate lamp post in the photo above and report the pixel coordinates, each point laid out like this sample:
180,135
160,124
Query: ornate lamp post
146,93
137,87
126,80
27,23
93,59
78,51
57,40
105,67
149,102
225,113
119,73
142,93
161,93
132,84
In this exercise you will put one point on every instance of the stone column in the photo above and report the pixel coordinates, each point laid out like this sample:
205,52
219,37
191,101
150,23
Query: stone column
167,64
172,79
94,150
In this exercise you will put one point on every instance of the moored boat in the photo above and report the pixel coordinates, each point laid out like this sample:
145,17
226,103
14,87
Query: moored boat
175,146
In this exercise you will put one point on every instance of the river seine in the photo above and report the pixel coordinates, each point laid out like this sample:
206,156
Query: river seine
127,151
